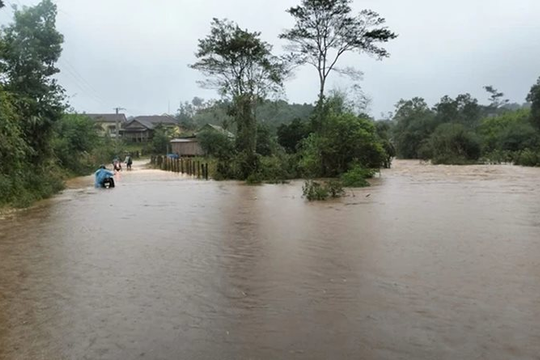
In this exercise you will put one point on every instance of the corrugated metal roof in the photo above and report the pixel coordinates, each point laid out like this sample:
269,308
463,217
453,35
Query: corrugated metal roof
109,118
150,122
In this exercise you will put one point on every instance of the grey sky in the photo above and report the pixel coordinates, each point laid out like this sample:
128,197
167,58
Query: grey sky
134,53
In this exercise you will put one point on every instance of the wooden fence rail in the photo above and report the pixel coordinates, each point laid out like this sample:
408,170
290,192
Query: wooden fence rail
187,166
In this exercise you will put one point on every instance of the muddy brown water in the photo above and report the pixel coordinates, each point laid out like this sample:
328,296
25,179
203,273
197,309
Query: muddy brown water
428,263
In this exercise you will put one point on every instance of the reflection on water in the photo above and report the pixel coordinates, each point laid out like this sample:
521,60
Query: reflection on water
436,263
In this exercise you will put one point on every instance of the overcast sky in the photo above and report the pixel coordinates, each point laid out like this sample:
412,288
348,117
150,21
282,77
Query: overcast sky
135,53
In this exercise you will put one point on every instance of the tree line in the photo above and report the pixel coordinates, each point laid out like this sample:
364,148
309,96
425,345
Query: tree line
42,141
461,131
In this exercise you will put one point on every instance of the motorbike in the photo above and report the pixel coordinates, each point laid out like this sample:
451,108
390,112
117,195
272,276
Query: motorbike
117,166
108,183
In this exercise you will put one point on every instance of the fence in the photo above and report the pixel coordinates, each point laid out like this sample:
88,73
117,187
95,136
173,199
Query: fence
187,166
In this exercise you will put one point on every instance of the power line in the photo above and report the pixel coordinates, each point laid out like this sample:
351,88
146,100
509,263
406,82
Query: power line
70,68
82,84
85,91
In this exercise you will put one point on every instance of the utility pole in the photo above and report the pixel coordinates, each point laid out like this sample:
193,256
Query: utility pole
118,123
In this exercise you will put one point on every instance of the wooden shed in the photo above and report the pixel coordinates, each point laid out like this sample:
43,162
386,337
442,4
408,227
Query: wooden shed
186,147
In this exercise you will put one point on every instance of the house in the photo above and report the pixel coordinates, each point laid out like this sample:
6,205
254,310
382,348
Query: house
108,124
186,147
189,146
141,128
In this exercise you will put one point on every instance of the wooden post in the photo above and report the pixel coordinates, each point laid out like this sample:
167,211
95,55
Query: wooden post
198,169
206,172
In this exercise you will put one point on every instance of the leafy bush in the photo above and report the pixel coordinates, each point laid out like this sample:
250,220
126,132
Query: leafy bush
345,139
528,157
335,188
504,126
216,144
75,139
29,186
254,179
313,190
277,168
290,136
161,139
453,144
356,176
316,191
498,156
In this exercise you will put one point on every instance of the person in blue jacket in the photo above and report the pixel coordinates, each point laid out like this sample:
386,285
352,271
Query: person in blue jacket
101,174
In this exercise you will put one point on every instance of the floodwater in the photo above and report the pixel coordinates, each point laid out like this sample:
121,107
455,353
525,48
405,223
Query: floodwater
431,262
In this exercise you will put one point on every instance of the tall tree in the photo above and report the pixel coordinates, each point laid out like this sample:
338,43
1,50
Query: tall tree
534,98
31,48
241,66
326,29
496,98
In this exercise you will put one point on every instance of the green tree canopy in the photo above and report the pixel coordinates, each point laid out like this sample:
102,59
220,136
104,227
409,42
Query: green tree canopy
464,109
453,144
534,98
290,135
346,139
75,138
414,123
31,48
216,144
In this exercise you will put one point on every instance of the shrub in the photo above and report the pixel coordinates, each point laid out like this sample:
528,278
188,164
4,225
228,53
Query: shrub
216,144
335,188
356,176
313,190
528,157
316,191
453,144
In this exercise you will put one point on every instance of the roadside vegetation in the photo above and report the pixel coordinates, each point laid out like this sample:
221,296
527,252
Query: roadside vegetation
41,140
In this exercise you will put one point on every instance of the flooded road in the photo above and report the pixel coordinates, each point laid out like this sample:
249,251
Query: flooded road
429,263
